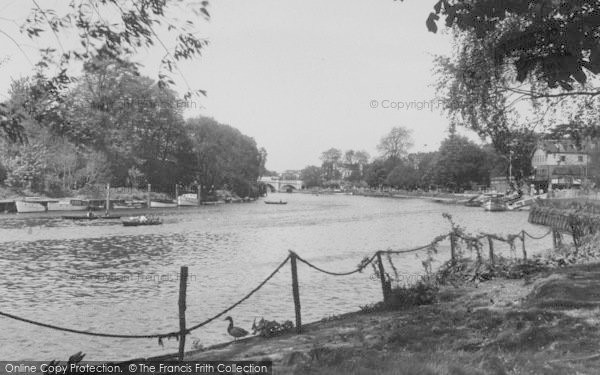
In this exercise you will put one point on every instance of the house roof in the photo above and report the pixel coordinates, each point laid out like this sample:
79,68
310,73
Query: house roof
566,146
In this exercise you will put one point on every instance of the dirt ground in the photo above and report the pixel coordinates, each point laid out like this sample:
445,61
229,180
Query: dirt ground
548,324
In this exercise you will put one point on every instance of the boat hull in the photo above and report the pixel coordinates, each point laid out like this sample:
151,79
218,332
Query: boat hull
110,217
493,205
136,221
187,200
25,206
157,204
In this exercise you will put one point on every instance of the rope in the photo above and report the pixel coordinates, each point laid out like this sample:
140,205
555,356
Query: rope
336,273
177,333
151,336
86,332
241,300
439,239
537,238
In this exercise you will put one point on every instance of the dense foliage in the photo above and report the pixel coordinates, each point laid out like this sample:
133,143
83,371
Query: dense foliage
119,127
106,30
459,164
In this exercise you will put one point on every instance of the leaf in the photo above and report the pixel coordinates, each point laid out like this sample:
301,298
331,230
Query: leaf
431,25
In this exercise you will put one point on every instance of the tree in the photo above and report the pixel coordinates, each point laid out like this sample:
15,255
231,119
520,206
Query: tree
403,176
262,155
460,164
223,156
553,41
311,176
377,172
395,145
104,35
330,160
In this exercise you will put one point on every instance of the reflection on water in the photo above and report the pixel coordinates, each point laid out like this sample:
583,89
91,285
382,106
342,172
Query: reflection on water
101,276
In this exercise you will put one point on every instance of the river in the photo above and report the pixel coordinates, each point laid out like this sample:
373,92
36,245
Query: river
100,276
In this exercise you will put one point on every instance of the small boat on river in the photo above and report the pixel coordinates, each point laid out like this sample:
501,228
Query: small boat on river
92,217
134,221
275,202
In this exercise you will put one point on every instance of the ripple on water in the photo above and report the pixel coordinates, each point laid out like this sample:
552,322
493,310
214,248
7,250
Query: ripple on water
101,276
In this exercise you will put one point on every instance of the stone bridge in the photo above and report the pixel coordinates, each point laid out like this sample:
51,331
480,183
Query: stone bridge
276,184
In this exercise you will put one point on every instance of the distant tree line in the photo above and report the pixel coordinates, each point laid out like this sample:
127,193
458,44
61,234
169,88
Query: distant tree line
116,126
459,164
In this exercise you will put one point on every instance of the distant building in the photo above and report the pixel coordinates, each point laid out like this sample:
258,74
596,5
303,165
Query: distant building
561,164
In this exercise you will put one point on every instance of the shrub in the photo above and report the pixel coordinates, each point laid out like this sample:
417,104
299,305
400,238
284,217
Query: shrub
420,294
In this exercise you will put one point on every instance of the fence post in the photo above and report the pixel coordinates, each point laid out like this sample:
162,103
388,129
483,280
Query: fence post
491,246
107,204
149,191
296,292
452,248
177,193
384,285
183,276
523,245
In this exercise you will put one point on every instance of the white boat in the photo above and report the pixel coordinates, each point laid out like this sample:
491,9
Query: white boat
162,204
129,205
33,204
189,199
495,203
65,206
525,203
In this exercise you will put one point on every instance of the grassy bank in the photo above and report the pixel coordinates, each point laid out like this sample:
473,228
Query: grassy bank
545,322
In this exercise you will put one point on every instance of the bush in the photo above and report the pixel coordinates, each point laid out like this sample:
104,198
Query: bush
420,294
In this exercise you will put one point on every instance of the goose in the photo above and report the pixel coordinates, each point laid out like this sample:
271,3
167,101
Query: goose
236,332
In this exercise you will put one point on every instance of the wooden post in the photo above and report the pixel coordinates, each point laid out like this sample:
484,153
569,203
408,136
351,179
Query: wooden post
491,245
523,245
554,244
296,292
183,276
384,284
177,193
452,249
198,194
107,204
149,191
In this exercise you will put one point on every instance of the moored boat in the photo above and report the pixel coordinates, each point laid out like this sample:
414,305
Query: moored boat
162,203
33,204
495,204
189,199
525,203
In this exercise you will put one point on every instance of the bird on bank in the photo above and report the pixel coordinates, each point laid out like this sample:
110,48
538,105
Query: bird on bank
236,332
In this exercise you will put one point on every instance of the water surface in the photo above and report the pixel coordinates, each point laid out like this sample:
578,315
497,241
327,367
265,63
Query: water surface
101,276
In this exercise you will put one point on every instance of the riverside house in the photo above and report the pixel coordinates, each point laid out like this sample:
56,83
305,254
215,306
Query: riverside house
561,164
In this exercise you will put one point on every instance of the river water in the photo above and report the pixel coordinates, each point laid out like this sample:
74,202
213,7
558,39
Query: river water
102,277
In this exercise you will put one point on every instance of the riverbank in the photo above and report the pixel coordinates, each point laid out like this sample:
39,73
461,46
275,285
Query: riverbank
546,323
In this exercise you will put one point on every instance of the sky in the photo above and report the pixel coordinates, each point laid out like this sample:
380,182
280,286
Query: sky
299,76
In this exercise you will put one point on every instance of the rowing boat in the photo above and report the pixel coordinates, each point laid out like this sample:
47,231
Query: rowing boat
135,221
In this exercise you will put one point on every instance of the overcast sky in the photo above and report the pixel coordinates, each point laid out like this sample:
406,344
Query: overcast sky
301,76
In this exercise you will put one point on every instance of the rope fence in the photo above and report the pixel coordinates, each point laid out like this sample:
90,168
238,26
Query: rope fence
293,258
